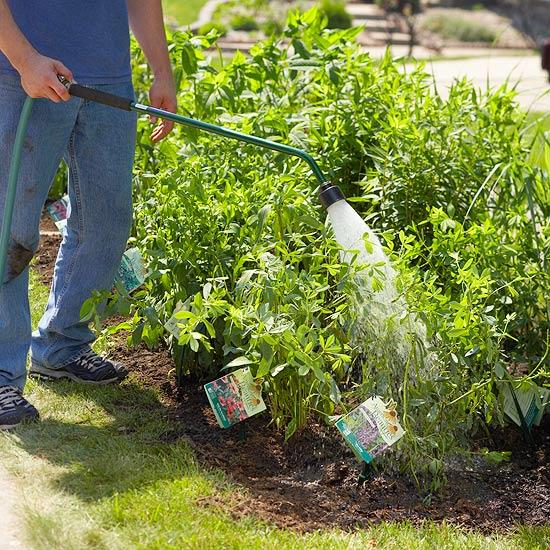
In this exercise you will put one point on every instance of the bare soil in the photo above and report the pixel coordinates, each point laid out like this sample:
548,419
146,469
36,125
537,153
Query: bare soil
44,259
311,481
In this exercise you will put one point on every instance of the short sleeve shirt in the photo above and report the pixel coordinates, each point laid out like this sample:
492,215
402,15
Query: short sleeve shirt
90,37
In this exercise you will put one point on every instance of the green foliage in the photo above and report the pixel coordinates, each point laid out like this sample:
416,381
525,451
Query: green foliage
459,28
220,28
335,12
235,235
272,27
244,23
59,184
244,15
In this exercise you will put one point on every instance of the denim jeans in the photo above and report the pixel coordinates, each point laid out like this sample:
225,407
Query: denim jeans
98,145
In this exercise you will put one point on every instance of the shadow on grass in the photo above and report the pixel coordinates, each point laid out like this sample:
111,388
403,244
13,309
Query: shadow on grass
107,439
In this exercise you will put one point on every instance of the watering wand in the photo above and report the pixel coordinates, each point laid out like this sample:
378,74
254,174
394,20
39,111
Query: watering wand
328,193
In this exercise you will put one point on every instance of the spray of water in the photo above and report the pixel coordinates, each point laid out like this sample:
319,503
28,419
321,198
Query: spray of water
383,328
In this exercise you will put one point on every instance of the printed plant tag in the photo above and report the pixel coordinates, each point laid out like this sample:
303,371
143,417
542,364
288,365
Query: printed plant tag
370,429
132,272
58,211
172,324
235,397
531,400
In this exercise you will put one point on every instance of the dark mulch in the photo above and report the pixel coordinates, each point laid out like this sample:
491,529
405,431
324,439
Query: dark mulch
44,259
311,482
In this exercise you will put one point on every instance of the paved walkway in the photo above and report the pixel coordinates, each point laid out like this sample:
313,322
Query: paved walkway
9,528
532,82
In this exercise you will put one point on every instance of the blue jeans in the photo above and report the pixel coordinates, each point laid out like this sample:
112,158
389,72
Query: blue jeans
98,145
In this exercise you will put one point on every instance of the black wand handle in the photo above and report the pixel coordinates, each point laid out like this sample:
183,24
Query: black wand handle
91,94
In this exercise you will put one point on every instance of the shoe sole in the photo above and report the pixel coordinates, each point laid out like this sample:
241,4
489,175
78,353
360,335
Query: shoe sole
38,371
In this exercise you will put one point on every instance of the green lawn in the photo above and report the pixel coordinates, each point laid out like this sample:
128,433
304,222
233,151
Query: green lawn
95,473
182,12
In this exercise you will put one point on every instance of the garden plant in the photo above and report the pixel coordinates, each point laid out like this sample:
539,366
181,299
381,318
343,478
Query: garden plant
236,241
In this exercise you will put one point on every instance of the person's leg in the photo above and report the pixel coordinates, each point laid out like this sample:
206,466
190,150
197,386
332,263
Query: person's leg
100,159
48,133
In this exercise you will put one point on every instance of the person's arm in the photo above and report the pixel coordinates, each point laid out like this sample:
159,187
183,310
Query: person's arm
147,23
38,73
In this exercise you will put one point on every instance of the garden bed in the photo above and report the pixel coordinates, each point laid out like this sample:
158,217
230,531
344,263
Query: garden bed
311,481
457,27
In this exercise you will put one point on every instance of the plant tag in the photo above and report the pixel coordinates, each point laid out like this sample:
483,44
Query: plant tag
132,272
370,429
531,400
235,397
172,324
58,211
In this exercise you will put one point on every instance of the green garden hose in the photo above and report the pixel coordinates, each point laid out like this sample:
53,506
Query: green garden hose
12,185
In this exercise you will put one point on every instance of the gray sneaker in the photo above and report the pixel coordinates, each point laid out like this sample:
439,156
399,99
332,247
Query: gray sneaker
89,368
14,408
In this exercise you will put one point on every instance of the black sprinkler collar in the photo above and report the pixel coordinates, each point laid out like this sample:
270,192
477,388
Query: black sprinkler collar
329,194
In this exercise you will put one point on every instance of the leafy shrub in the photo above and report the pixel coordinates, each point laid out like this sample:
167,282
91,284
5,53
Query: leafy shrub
272,27
244,23
236,236
336,13
458,28
220,28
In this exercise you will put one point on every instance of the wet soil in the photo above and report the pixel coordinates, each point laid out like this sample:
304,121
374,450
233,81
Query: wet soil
311,482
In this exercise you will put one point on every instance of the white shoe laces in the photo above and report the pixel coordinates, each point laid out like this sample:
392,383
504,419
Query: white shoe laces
92,361
11,398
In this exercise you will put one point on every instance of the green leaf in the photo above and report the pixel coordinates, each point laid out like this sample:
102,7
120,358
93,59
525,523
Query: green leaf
290,429
87,310
335,394
300,49
239,362
206,290
303,370
278,369
193,343
500,371
263,369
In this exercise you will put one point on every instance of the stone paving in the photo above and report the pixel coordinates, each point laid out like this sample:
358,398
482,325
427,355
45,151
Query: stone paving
525,72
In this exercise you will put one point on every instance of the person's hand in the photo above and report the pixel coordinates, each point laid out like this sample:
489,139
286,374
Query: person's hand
163,96
39,78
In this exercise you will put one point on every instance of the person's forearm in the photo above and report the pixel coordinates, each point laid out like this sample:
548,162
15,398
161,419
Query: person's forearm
146,21
13,43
